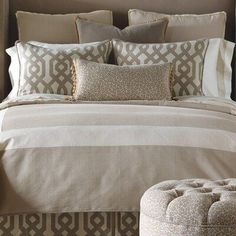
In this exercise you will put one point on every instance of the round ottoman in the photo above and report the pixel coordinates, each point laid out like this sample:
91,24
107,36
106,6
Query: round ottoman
189,207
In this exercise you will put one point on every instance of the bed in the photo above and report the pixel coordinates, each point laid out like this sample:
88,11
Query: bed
91,183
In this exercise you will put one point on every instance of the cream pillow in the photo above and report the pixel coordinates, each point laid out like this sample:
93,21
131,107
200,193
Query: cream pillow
105,82
184,27
55,28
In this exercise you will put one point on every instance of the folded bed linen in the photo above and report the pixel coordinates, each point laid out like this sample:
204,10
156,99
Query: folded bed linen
59,155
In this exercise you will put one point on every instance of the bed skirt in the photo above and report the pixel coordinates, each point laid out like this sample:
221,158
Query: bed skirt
82,224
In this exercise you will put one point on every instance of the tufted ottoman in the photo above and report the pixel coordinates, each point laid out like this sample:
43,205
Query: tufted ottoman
189,207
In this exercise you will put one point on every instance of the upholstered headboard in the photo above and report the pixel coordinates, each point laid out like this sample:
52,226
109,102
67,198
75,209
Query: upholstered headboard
8,8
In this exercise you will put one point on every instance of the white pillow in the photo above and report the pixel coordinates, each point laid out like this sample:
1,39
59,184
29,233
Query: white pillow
217,72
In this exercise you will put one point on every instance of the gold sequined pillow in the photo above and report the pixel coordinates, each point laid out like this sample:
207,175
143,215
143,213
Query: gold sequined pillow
104,82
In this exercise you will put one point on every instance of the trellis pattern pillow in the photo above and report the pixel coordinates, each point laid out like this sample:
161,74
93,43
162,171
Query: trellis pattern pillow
48,70
187,58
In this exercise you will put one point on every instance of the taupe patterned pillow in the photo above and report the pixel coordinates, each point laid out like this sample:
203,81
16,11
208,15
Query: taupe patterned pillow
47,70
187,58
103,82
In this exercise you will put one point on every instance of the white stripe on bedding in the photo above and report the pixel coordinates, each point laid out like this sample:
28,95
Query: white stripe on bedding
108,136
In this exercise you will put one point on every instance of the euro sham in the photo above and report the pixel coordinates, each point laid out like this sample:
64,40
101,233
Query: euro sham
55,28
184,27
47,70
154,32
187,58
102,82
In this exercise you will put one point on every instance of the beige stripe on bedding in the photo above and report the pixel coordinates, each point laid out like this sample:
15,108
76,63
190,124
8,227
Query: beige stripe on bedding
78,179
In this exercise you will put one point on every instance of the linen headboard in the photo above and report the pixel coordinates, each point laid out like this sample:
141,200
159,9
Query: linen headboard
8,8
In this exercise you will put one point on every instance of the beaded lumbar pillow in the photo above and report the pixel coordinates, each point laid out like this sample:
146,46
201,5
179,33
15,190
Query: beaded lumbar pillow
103,82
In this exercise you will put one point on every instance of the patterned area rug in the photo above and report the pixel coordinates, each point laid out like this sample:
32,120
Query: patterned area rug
71,224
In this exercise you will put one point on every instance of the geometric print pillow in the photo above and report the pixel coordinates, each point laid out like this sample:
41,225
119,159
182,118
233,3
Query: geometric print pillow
48,70
186,57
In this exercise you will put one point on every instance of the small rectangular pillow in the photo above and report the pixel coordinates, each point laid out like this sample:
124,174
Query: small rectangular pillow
187,58
144,33
103,82
48,70
184,27
55,28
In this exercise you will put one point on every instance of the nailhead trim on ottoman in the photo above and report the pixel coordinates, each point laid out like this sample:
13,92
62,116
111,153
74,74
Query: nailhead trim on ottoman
192,207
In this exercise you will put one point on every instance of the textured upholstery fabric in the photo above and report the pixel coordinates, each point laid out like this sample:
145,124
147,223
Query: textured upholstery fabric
195,207
153,32
100,82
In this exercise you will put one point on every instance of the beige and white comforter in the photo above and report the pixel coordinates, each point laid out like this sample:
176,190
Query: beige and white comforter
62,156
